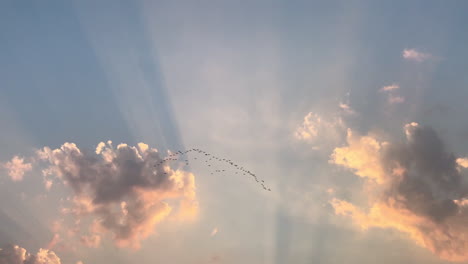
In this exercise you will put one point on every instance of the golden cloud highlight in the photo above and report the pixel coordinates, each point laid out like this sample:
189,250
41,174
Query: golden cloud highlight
419,190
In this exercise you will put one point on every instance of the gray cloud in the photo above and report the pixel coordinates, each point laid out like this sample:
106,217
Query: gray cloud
431,181
120,189
414,186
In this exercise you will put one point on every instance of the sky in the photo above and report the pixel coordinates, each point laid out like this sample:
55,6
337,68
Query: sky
353,113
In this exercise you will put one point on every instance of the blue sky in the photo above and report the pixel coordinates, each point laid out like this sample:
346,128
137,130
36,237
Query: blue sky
237,79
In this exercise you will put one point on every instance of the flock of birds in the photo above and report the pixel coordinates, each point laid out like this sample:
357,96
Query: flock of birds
208,160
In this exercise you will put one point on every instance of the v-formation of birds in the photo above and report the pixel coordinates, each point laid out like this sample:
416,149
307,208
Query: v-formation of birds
208,161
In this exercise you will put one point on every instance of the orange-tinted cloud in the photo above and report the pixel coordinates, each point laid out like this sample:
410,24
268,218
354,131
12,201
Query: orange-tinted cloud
419,190
13,254
462,162
362,155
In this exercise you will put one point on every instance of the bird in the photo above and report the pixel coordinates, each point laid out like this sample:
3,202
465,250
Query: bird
210,161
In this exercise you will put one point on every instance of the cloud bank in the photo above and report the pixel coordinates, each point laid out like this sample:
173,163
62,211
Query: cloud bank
415,187
119,190
13,254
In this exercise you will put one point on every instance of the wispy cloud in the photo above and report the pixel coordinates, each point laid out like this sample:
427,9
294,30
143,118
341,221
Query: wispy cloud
414,55
390,88
395,99
414,187
347,108
392,98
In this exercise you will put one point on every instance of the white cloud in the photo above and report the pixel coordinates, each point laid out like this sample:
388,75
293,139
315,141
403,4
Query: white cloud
17,168
414,55
390,88
318,131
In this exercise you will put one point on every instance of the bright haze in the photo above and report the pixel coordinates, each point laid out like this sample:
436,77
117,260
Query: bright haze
230,132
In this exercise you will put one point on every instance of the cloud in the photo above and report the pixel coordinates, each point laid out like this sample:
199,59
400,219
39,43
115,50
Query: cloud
120,190
17,168
347,109
392,97
462,162
214,232
310,127
14,254
414,187
389,88
395,99
55,239
361,155
92,241
318,130
414,55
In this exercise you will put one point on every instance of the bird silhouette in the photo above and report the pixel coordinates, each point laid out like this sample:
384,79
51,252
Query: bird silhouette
213,161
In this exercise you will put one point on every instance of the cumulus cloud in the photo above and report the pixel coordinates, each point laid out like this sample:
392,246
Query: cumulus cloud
414,187
119,190
317,130
414,55
17,168
13,254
